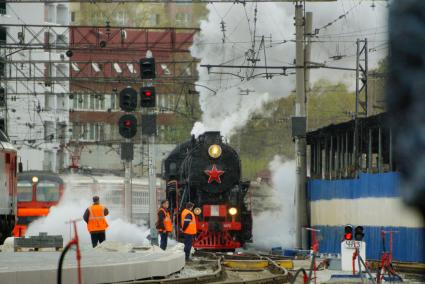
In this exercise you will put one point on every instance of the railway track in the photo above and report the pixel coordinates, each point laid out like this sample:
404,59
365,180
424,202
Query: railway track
221,268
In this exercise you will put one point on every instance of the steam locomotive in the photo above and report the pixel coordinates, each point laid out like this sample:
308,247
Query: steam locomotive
207,172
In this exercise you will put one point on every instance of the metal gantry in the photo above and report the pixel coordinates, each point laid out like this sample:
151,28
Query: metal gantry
362,69
96,71
96,38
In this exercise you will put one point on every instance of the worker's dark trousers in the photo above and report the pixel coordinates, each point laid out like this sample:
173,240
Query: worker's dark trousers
188,239
97,237
164,238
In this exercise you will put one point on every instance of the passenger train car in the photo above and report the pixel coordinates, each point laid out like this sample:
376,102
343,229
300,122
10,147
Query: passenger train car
8,169
111,192
37,192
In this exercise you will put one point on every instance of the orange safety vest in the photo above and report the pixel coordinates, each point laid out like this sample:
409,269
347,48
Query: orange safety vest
167,221
97,221
191,229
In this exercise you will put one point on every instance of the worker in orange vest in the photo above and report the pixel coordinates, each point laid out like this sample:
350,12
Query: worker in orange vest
164,225
96,221
188,224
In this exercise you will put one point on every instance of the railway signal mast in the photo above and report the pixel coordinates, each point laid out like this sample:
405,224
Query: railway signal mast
127,126
148,104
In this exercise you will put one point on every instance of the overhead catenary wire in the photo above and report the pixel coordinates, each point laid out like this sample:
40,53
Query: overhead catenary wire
342,16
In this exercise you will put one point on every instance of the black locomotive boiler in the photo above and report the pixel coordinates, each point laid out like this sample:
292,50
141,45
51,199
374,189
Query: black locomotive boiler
207,172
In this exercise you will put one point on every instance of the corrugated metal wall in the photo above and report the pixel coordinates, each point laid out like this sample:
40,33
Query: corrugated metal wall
373,201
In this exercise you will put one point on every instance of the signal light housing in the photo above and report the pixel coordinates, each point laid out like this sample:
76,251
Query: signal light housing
148,97
2,97
128,99
147,68
127,126
348,232
358,233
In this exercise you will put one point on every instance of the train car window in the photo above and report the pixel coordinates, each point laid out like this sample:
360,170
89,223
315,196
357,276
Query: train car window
3,137
24,191
173,169
47,192
25,220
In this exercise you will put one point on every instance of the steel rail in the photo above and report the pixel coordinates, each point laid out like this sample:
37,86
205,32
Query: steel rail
161,1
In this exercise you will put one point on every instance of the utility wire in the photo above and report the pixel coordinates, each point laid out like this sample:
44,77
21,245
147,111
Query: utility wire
342,16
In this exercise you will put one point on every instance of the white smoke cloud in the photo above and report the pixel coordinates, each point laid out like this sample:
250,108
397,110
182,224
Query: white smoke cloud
228,108
223,106
277,228
71,207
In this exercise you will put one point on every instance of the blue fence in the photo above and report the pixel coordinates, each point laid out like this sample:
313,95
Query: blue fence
408,243
367,185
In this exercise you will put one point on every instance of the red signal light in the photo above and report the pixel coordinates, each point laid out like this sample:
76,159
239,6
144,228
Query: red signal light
348,232
127,123
148,93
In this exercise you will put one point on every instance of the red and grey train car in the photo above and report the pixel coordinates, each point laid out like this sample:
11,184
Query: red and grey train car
37,192
8,169
207,172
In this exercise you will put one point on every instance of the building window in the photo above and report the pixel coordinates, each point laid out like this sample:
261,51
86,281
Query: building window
120,18
85,132
3,35
80,101
61,70
92,102
62,15
73,15
86,101
154,20
99,102
76,127
75,102
88,132
183,19
49,129
49,101
92,131
113,100
48,160
50,13
3,8
97,18
61,102
61,40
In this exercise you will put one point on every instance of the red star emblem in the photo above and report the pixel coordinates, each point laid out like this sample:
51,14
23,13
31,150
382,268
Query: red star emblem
214,174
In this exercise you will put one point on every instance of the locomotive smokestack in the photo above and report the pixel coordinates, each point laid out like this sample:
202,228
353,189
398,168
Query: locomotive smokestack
212,137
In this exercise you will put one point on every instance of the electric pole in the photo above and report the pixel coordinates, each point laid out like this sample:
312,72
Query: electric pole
300,140
152,189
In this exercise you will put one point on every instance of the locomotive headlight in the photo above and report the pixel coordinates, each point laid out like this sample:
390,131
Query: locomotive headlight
233,211
214,151
34,179
197,211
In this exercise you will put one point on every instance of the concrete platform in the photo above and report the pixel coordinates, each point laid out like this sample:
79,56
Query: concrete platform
97,265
